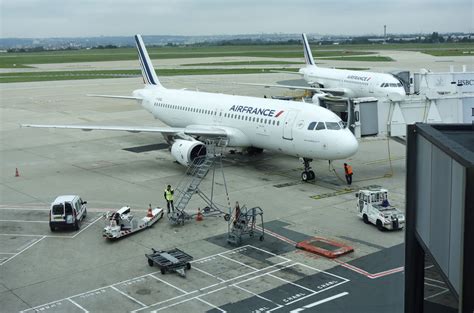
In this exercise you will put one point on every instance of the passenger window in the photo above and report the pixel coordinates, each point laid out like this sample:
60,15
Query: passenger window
320,126
278,123
332,126
312,125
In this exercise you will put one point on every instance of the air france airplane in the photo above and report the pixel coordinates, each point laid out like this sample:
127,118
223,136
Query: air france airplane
345,83
293,128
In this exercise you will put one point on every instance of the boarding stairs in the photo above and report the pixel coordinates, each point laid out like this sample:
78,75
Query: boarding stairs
189,184
245,223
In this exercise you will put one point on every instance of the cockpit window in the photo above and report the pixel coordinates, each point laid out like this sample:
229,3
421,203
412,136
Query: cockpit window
311,125
320,126
341,123
399,85
393,85
333,126
383,85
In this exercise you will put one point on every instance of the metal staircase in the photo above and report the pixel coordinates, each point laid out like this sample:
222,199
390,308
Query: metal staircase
244,222
189,184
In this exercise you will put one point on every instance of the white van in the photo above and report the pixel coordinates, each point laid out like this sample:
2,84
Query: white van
67,211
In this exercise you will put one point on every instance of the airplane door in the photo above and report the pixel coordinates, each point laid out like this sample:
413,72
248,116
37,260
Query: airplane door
356,120
288,125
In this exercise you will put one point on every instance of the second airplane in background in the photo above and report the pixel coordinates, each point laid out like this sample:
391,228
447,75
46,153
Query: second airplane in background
344,83
293,128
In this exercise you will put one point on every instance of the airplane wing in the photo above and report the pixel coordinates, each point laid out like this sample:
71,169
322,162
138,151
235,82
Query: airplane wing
115,97
332,91
194,131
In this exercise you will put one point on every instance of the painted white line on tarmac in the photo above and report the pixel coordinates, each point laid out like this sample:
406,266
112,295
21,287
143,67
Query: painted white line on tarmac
342,294
128,296
259,296
26,248
87,226
209,274
23,221
311,305
167,283
77,304
210,304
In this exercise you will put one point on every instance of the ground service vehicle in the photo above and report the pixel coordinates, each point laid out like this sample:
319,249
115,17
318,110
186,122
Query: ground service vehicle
122,223
373,207
67,211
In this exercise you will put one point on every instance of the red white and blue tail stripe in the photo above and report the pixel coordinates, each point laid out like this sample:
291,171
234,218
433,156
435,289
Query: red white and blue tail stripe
308,56
148,72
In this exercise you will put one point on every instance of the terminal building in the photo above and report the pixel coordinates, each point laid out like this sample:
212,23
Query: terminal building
440,215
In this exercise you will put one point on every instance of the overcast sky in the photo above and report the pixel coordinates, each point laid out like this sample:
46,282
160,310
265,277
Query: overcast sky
84,18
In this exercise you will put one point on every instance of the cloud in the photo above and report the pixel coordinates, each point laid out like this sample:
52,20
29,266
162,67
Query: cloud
69,18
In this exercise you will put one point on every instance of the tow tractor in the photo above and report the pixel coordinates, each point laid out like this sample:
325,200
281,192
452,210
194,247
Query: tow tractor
373,207
122,223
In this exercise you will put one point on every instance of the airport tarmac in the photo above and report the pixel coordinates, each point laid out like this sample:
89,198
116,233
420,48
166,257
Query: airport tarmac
69,271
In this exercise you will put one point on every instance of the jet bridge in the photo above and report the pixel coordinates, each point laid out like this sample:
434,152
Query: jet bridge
361,114
389,117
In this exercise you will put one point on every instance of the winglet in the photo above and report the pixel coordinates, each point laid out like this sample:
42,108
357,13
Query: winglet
308,56
148,72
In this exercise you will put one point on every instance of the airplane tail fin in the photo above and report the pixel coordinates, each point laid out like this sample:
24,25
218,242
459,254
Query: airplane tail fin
308,56
148,72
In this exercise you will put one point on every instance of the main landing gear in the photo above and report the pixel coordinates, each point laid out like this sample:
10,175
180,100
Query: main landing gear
307,174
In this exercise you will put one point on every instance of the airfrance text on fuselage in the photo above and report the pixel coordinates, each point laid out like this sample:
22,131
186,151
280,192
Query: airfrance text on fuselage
251,110
355,77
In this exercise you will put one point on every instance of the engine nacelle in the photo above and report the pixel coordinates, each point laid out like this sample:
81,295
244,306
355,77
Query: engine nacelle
186,151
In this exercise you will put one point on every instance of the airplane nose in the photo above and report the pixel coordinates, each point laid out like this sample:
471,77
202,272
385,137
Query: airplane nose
350,145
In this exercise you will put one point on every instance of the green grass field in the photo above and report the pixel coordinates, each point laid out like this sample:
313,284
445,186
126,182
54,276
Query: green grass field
73,75
356,53
468,51
10,60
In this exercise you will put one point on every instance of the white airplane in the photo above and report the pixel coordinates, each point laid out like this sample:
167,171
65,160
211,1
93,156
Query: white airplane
345,83
293,128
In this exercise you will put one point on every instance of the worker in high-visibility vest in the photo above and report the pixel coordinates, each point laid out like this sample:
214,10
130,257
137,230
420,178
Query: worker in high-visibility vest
348,172
169,198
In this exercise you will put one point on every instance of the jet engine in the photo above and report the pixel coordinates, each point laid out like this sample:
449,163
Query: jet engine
186,151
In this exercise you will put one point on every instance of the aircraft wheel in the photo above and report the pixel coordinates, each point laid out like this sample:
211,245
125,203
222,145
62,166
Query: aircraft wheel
311,175
305,176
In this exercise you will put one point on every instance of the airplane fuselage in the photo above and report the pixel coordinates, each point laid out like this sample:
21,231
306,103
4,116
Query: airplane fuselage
277,125
356,83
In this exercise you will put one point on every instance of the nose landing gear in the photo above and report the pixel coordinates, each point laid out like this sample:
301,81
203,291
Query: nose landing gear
308,173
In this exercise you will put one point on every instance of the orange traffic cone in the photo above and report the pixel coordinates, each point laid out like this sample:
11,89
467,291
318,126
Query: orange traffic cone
149,213
16,172
199,216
